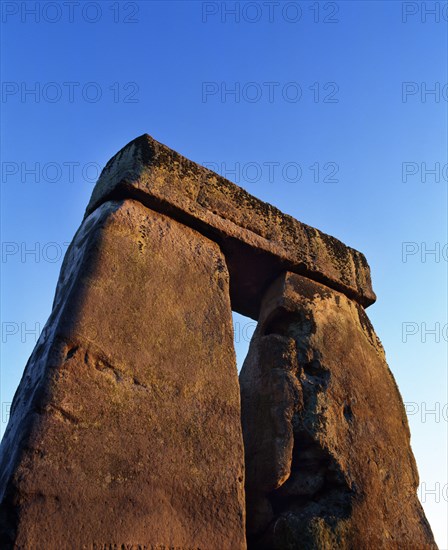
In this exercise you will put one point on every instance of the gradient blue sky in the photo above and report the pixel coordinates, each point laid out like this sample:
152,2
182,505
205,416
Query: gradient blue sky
150,61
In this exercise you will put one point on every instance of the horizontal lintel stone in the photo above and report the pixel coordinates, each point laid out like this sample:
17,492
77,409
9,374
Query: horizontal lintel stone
258,240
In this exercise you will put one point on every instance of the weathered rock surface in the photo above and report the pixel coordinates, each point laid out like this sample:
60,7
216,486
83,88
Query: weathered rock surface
125,429
328,457
258,240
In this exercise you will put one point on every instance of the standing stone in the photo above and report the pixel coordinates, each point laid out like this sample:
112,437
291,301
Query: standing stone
328,457
125,429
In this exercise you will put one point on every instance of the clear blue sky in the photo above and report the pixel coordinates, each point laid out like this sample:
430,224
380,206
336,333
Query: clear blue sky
340,91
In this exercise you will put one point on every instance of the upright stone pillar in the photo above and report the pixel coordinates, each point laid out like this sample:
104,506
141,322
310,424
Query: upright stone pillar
328,458
125,430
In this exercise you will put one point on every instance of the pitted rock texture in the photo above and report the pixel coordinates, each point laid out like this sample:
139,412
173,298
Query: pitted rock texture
259,241
328,457
125,429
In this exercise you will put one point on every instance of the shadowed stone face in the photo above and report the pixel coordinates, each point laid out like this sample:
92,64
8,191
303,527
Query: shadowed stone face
126,426
328,459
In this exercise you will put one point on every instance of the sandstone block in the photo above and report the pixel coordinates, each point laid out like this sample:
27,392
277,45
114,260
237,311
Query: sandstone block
125,429
259,241
328,457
